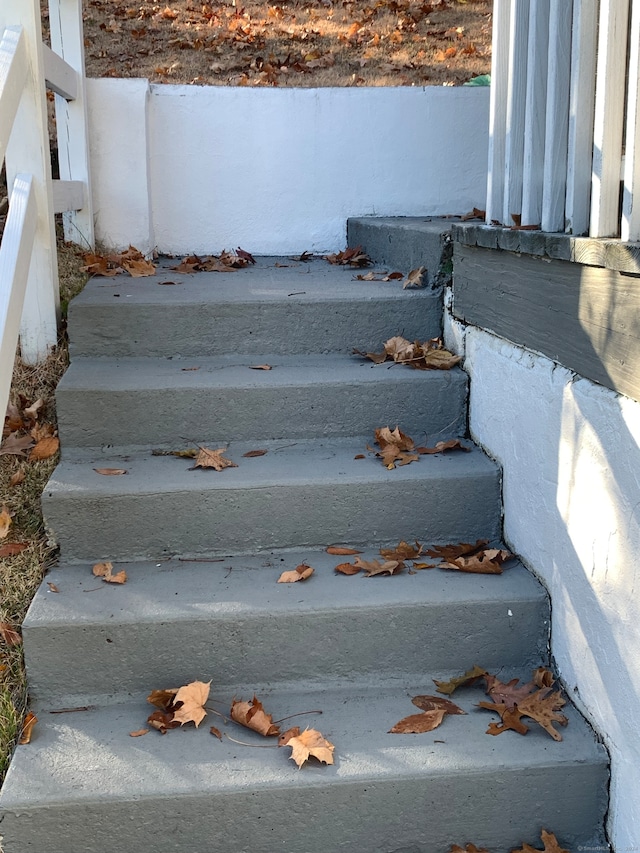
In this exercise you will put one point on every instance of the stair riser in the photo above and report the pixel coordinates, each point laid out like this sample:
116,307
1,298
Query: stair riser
430,408
280,516
234,650
252,329
403,244
414,815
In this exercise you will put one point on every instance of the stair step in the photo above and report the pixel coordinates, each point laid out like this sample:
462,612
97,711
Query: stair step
174,617
303,308
405,242
300,494
301,397
85,786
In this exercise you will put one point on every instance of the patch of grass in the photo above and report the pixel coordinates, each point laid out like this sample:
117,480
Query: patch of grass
20,575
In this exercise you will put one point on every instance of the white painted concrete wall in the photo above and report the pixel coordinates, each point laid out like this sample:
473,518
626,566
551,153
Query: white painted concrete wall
570,452
278,170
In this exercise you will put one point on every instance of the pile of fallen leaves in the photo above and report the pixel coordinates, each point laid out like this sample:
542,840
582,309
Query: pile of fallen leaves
551,845
396,448
132,261
430,355
289,43
178,706
25,438
463,557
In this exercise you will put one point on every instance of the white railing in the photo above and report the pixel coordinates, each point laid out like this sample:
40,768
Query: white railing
29,294
565,117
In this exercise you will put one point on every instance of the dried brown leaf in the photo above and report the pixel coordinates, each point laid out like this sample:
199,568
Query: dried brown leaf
250,454
9,635
163,699
487,562
414,278
448,687
162,721
215,459
12,548
253,716
433,703
419,723
17,478
348,569
105,571
260,367
402,551
191,700
52,587
27,728
461,549
354,257
375,567
443,447
310,744
340,551
542,706
5,522
551,845
111,472
139,733
16,445
45,449
215,732
300,573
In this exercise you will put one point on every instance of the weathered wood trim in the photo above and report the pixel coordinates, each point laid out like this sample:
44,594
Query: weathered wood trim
585,318
611,253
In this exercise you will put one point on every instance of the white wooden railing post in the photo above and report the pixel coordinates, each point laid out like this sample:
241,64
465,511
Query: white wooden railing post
534,122
609,118
498,109
516,105
67,40
28,152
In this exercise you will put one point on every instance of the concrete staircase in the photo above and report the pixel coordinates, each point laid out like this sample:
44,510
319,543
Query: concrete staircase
203,551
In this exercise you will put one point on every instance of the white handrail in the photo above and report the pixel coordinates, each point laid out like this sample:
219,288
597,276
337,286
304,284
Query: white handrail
29,294
15,257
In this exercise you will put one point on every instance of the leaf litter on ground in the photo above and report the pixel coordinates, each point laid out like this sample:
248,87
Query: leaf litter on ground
395,447
105,571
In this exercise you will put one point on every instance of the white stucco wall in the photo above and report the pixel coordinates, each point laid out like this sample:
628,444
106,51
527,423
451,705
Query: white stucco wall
571,465
279,170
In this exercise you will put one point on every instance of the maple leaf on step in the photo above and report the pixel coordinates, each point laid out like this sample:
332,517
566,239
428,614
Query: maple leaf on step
300,573
309,744
463,549
189,702
542,706
393,447
348,569
215,459
375,567
419,723
402,551
98,265
253,716
550,842
354,257
487,562
400,349
443,447
468,677
432,703
105,571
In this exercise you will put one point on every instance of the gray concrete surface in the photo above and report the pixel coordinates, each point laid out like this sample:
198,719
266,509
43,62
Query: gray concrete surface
166,400
83,774
177,617
306,494
303,308
404,242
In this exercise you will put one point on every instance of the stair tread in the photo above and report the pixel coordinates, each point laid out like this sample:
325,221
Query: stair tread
233,371
241,585
89,755
305,461
302,282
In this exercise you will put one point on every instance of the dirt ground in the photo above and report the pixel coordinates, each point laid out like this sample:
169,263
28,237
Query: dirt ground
290,42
